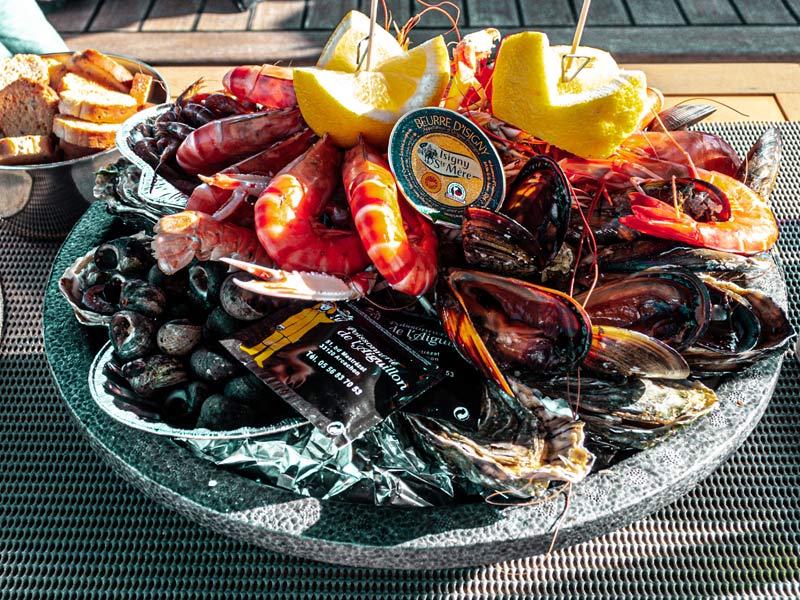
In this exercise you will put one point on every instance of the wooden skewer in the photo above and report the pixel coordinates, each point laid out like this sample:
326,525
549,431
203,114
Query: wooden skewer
576,39
373,15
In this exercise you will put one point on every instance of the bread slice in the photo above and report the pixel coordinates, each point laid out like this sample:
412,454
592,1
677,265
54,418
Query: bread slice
71,151
140,88
23,66
103,69
57,75
78,83
85,133
27,150
100,107
27,108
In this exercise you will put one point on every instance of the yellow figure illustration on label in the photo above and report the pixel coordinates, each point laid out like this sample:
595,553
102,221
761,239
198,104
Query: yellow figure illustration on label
290,331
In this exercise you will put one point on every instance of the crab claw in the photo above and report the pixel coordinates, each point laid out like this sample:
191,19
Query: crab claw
296,285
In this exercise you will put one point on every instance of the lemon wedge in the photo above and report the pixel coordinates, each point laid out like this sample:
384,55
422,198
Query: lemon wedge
345,105
588,116
347,46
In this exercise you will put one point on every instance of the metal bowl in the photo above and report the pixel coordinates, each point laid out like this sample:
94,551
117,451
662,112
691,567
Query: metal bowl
44,201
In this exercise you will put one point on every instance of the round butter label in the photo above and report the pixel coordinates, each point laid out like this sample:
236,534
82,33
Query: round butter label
444,163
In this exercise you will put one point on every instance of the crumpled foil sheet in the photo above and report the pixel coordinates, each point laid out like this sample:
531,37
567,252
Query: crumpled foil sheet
382,467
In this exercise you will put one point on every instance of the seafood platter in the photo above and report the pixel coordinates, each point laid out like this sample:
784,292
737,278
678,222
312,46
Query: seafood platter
497,283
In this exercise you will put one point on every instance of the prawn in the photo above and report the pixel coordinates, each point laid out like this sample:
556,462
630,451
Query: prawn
400,242
269,85
751,227
219,143
287,216
469,81
191,234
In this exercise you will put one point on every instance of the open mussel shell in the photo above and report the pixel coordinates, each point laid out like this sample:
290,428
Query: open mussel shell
518,447
733,327
637,255
526,234
627,353
670,305
631,413
775,335
500,323
759,169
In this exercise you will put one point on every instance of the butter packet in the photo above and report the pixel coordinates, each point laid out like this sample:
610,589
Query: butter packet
335,365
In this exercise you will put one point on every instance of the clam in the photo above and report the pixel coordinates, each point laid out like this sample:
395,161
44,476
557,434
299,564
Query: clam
670,305
178,337
526,234
518,447
499,323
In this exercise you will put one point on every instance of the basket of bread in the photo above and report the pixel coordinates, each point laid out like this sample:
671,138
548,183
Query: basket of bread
59,114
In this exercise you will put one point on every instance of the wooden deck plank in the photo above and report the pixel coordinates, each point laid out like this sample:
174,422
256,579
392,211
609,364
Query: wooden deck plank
497,13
646,12
172,15
537,15
765,11
326,14
721,78
709,12
120,15
73,16
605,12
737,108
278,14
790,104
222,15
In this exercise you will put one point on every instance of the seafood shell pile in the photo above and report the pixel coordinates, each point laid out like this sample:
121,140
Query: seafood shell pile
601,302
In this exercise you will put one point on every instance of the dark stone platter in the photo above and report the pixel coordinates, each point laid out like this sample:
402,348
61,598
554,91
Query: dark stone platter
338,532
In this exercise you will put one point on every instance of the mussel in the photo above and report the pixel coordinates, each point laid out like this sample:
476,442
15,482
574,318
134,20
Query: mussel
527,232
624,352
760,168
670,305
499,323
743,314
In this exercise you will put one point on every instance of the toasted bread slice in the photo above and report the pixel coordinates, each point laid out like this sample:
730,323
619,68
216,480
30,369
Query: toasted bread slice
70,151
27,150
27,108
100,107
23,66
85,133
140,88
102,69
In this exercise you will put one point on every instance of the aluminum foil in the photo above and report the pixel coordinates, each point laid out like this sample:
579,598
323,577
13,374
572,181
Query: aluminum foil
382,467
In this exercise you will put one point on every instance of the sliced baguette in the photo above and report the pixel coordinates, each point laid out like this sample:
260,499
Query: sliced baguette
100,107
85,133
27,108
140,88
23,66
27,150
103,69
74,82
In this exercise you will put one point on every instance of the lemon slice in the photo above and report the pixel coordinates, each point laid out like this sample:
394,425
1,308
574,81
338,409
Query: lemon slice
589,116
345,105
347,45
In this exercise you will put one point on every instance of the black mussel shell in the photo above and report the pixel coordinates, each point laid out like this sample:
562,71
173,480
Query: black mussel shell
733,327
178,337
637,255
212,366
670,305
526,234
152,373
131,334
681,116
139,296
623,352
499,323
760,169
245,305
128,255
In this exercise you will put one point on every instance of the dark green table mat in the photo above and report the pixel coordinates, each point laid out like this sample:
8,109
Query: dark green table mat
71,528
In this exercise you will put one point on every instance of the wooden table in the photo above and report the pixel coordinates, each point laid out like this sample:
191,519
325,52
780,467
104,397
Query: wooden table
771,91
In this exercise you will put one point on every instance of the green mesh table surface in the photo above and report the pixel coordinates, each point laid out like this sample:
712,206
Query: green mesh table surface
71,528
